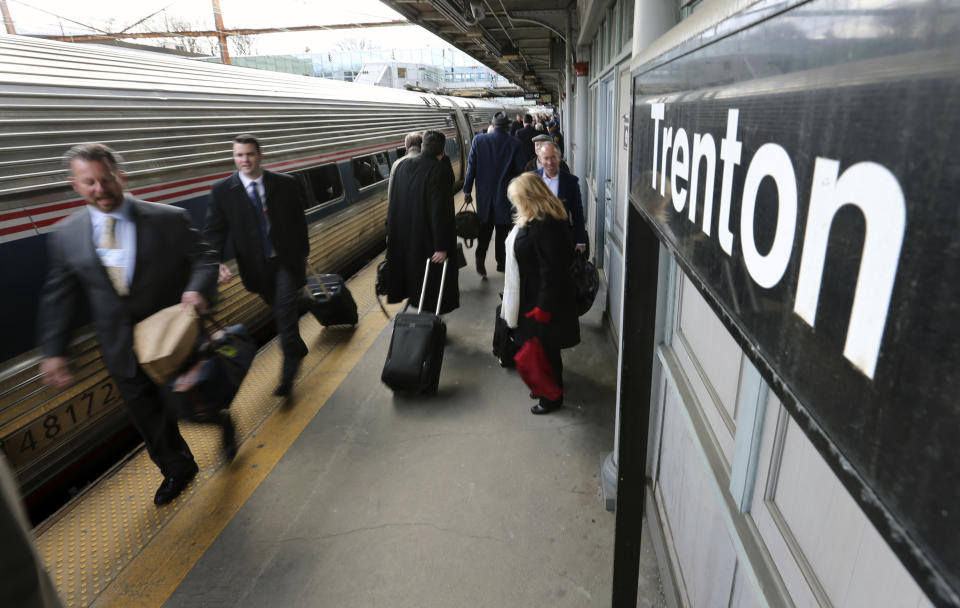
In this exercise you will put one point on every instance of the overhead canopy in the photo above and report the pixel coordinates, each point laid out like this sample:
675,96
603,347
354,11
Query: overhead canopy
523,40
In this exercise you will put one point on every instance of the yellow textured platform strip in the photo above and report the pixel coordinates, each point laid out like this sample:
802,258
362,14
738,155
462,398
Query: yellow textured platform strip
113,547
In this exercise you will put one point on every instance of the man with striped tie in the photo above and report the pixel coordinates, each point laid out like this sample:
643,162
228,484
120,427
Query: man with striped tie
129,258
262,214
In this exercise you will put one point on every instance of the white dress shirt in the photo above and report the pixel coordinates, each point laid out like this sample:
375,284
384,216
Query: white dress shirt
258,184
125,232
553,183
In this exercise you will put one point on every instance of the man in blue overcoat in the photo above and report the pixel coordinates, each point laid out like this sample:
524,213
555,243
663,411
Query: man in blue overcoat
495,159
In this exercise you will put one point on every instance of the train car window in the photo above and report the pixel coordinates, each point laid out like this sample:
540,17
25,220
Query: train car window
367,170
383,162
321,184
401,152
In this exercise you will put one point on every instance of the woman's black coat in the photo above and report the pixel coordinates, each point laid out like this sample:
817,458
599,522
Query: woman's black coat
544,256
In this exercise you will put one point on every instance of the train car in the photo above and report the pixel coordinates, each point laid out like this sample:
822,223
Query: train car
173,119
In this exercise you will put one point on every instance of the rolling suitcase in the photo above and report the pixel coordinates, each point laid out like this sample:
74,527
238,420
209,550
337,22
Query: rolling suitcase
330,300
415,354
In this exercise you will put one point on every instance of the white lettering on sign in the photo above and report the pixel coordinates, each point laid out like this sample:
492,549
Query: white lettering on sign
868,186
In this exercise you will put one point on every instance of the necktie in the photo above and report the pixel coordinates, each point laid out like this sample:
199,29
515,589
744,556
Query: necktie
108,240
261,220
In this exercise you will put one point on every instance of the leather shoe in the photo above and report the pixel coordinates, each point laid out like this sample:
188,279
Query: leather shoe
284,388
229,436
173,485
540,408
481,269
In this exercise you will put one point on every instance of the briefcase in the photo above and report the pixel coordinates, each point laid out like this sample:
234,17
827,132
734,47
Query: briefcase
213,375
468,224
330,300
415,354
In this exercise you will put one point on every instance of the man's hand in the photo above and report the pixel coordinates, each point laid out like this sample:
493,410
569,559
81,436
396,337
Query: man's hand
438,257
467,198
581,248
225,274
56,372
195,299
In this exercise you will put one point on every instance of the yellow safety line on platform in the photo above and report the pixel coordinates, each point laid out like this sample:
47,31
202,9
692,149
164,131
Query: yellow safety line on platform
145,552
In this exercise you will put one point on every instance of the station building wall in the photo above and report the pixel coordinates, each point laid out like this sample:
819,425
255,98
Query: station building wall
742,509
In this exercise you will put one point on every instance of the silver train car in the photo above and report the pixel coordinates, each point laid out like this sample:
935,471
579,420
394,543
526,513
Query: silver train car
173,119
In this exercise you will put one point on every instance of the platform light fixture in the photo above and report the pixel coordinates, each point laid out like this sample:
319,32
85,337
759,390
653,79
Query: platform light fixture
510,53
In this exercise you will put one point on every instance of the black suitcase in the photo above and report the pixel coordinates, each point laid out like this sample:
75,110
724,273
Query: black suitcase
331,302
211,378
416,346
504,347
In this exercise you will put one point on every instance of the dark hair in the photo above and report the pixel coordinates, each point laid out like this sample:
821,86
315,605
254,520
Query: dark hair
527,118
93,152
412,140
246,138
433,143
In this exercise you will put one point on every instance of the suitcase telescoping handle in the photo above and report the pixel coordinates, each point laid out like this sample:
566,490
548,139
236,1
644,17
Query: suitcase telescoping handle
423,290
323,287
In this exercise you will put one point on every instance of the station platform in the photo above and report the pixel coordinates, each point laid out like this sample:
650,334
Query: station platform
349,496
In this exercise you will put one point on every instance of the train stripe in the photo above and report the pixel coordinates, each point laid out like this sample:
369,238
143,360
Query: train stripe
175,189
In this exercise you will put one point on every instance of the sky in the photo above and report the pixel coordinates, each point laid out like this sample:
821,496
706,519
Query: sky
72,17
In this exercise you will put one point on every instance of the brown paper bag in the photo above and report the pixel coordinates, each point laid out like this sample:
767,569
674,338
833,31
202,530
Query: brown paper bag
164,340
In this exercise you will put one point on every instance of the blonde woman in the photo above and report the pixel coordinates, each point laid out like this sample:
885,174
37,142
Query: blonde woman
545,292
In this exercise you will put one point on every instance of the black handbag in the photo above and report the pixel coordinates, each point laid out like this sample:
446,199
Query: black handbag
212,377
586,281
468,224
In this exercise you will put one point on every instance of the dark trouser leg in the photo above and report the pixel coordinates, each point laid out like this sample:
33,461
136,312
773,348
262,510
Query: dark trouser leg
499,246
556,363
156,423
286,314
483,241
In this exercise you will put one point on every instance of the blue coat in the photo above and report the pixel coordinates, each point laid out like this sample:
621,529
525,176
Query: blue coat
495,159
568,191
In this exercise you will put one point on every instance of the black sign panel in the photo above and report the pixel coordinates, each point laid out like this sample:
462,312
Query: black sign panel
802,165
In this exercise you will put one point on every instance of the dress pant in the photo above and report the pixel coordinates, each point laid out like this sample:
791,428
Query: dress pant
156,423
286,314
556,363
499,247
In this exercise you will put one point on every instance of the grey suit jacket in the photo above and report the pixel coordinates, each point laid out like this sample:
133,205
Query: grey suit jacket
171,258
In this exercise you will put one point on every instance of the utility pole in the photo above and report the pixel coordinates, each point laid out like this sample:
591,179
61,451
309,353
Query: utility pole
7,20
221,36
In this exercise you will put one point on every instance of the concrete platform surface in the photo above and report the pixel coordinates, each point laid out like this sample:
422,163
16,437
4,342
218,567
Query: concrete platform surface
463,498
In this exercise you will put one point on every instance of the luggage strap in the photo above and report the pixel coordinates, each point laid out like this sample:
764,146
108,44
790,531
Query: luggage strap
323,287
423,290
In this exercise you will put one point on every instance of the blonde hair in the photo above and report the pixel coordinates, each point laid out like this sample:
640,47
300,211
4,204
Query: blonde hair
533,200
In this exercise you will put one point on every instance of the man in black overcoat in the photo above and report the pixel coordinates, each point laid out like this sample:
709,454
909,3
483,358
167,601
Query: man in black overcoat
128,258
420,225
526,135
262,213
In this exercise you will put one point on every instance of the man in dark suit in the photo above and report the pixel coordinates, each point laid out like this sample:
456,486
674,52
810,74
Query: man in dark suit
262,213
420,225
554,132
495,158
526,135
129,258
566,187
